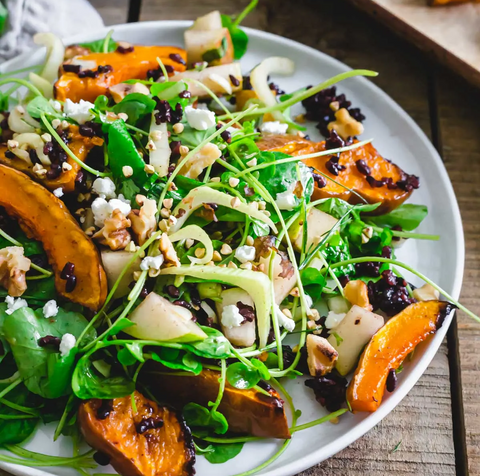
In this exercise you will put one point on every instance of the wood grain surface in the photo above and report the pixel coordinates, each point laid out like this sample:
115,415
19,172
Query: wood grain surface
423,421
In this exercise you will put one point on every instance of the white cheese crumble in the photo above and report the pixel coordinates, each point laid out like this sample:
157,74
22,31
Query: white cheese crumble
151,262
58,192
286,200
78,111
200,119
283,320
102,209
104,187
333,319
245,253
274,127
56,105
67,343
231,316
50,309
14,304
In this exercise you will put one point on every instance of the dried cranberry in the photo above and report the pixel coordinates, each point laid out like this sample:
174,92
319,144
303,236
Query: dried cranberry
125,49
104,69
177,58
173,291
391,185
409,183
276,88
248,191
246,311
71,284
235,82
177,114
333,166
164,113
386,252
368,268
72,68
362,167
48,148
49,340
105,409
330,390
154,74
54,171
9,154
247,85
334,141
67,270
391,381
226,136
101,459
32,153
148,424
320,180
85,131
374,183
185,95
183,303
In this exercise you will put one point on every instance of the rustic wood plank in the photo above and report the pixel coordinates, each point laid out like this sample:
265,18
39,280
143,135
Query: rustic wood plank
459,124
423,421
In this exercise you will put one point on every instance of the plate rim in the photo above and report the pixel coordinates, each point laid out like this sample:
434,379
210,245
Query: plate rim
337,445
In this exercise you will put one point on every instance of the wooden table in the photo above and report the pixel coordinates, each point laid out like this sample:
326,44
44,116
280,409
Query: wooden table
438,423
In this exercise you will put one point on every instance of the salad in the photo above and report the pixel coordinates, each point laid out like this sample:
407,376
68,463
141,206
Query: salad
174,246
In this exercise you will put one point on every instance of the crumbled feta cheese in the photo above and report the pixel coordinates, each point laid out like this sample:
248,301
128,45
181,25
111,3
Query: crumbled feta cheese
14,304
231,316
56,105
104,187
200,119
58,192
283,320
202,106
67,343
152,262
286,200
245,253
274,127
50,309
102,209
78,111
308,301
333,319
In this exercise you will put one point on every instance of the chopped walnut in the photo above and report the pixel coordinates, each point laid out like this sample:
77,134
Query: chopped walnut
114,232
345,125
206,156
75,50
168,251
119,91
13,266
143,221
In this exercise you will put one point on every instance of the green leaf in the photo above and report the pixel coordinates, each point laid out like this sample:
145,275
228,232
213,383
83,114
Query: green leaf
242,377
30,247
239,37
101,103
39,105
335,251
221,453
215,346
118,326
136,106
97,45
178,359
197,416
44,371
128,189
408,216
313,281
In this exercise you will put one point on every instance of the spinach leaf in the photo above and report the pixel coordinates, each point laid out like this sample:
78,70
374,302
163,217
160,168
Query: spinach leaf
30,247
178,359
337,250
15,431
122,152
354,232
242,377
313,281
408,216
221,453
97,45
136,106
215,346
239,37
101,103
44,371
197,416
192,137
338,207
39,105
38,291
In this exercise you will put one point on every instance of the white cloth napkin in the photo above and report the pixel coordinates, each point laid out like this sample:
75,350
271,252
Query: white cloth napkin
62,17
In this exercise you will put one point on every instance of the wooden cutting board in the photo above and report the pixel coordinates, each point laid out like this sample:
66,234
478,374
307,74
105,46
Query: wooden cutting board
450,33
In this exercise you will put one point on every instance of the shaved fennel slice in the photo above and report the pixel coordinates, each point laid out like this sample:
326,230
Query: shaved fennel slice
195,233
42,84
255,283
200,195
55,54
259,80
160,149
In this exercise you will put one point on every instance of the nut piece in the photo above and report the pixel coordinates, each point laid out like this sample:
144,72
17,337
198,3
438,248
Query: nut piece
426,293
143,221
114,233
321,355
356,292
195,165
13,266
119,91
345,125
169,253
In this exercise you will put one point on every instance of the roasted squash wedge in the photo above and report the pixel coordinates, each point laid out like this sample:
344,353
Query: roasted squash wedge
45,218
388,349
153,441
247,411
388,184
79,145
123,66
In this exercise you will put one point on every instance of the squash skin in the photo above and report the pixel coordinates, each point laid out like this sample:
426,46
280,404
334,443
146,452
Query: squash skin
350,177
79,145
165,451
389,347
132,65
247,411
44,217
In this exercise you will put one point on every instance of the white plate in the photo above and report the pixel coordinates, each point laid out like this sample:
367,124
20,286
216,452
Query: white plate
398,138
